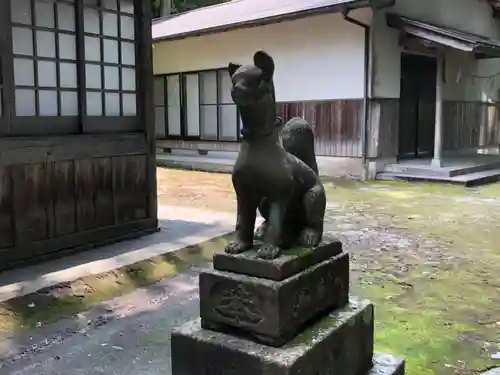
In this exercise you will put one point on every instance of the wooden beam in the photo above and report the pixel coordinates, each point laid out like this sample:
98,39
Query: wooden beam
6,69
23,150
438,130
417,45
145,92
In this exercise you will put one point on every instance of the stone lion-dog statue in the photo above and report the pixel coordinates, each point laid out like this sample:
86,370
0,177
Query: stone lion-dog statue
276,170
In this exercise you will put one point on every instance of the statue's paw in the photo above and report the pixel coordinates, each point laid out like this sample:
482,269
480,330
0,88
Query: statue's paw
261,231
236,247
268,252
309,237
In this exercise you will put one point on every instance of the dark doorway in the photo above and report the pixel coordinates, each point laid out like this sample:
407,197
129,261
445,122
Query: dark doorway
417,106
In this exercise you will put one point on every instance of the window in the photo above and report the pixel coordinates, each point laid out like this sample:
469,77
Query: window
44,52
4,48
110,59
196,105
159,106
69,66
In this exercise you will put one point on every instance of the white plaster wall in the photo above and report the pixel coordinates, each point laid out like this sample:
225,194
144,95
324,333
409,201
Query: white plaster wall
473,16
459,69
386,58
317,58
487,80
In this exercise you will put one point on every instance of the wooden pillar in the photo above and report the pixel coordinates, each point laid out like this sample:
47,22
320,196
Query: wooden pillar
145,71
438,130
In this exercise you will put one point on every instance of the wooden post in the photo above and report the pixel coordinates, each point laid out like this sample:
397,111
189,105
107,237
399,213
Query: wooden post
438,130
145,71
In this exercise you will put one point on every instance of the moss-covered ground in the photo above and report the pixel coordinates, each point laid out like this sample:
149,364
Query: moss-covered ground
64,300
427,255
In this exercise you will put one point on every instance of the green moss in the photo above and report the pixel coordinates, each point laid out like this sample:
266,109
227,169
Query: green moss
431,302
298,251
55,303
327,324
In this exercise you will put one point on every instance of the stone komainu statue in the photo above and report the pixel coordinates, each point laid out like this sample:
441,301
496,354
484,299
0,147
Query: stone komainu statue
280,178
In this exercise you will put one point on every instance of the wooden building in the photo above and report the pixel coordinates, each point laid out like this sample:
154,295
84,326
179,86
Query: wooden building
364,73
77,163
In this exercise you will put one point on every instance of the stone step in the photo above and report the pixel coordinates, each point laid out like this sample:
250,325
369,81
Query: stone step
340,343
444,172
195,163
467,180
271,311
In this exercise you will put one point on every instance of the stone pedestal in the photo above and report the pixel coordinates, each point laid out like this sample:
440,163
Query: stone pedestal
291,315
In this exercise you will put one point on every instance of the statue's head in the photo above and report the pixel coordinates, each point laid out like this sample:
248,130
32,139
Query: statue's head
253,90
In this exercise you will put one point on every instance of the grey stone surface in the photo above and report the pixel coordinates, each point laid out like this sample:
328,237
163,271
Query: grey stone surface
276,170
340,343
289,263
126,336
223,161
271,311
135,339
179,227
385,364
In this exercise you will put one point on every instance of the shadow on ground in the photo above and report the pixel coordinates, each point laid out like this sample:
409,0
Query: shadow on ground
54,303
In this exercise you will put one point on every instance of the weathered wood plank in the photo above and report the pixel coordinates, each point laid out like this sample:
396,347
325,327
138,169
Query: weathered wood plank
103,194
470,125
63,187
25,150
31,198
84,193
6,222
140,189
130,185
145,67
336,123
76,242
383,131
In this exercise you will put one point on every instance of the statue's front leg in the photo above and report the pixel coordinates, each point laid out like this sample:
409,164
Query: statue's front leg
264,207
271,242
245,224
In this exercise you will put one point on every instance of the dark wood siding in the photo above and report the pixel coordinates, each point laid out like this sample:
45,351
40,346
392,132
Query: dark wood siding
50,201
470,124
69,188
383,129
467,125
337,124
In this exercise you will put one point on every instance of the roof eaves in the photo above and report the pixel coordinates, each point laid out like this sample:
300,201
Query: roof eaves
353,4
446,36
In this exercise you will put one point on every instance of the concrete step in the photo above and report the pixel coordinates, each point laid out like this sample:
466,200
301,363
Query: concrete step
196,163
446,171
467,180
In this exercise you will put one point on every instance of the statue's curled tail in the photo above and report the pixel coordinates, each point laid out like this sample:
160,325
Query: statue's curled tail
298,139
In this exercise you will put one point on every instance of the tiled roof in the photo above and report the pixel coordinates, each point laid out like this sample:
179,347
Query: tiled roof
241,13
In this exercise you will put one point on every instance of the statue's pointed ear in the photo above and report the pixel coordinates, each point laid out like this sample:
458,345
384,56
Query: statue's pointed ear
232,68
264,62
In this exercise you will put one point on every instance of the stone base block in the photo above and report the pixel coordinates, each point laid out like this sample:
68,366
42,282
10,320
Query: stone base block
289,263
338,344
272,312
